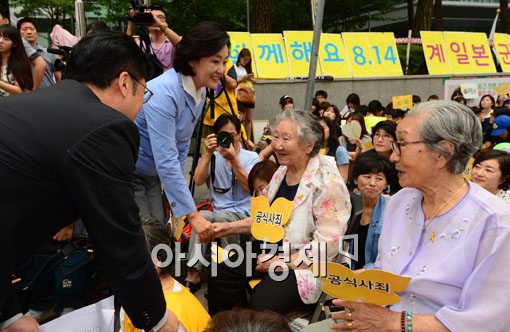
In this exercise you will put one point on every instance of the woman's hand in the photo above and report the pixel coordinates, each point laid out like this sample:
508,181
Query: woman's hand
365,317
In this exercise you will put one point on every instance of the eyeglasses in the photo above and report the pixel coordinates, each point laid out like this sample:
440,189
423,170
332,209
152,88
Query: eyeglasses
395,146
147,94
385,137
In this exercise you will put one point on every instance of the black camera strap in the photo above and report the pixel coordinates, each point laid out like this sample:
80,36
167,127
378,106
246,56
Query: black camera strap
213,177
224,84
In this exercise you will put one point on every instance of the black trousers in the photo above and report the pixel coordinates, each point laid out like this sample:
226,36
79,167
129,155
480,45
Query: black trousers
229,289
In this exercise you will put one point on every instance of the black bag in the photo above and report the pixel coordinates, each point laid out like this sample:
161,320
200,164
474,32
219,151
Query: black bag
63,275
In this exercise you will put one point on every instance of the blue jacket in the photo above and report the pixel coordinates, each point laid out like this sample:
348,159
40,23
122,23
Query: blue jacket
374,231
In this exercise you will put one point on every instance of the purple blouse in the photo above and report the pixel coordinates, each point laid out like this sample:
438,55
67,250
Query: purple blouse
462,273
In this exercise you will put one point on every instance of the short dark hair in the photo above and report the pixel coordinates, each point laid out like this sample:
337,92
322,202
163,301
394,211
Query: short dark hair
432,97
321,93
248,320
369,162
323,106
503,159
416,99
375,106
263,170
100,57
157,233
203,40
388,126
223,120
25,20
157,7
501,110
285,99
96,26
353,99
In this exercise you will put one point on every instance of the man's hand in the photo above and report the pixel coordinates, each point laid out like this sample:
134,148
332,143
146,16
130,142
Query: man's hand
24,324
65,234
211,142
172,324
222,229
201,226
159,23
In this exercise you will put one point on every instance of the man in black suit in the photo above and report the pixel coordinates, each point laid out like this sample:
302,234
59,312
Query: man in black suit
69,152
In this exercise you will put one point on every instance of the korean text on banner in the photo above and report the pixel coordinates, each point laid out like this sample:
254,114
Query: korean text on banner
269,55
358,51
502,45
434,49
299,49
469,53
332,56
384,54
238,41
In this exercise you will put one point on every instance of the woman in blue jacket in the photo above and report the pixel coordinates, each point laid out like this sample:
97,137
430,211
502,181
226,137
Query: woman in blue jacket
370,174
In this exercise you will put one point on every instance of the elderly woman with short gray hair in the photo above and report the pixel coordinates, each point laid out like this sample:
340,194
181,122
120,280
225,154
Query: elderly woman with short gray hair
319,215
449,235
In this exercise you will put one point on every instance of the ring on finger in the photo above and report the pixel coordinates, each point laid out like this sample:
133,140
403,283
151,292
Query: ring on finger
349,325
348,317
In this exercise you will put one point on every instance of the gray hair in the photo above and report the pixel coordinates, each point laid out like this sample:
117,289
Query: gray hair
453,122
309,129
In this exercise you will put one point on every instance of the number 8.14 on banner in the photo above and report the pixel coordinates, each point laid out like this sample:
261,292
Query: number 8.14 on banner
373,54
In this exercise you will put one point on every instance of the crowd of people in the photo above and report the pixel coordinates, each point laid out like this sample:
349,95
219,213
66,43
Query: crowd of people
99,145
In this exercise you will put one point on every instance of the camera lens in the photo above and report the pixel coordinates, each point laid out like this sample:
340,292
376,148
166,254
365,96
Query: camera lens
224,139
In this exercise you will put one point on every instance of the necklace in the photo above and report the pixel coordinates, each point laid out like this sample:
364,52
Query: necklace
433,234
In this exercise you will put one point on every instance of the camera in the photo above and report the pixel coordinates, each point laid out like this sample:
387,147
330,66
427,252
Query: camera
141,16
224,139
64,52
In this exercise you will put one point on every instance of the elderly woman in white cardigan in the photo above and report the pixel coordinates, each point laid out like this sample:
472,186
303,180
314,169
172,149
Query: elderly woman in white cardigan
320,213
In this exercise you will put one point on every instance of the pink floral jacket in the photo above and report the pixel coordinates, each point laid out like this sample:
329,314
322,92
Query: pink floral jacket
320,213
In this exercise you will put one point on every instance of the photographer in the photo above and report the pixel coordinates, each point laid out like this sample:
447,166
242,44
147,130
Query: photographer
224,167
162,38
28,30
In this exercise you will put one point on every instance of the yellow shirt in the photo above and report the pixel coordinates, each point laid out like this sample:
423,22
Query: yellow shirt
185,306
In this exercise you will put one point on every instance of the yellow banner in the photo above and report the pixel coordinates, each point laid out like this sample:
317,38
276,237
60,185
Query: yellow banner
503,89
299,49
332,56
502,45
384,54
469,53
434,49
358,52
269,55
238,41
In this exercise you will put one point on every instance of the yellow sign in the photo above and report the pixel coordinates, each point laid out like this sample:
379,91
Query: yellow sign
299,49
435,52
503,89
268,221
358,51
384,54
332,56
502,46
402,102
469,53
177,226
269,55
371,286
371,121
238,41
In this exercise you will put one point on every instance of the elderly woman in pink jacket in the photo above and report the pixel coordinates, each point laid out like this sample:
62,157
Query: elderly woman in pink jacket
321,209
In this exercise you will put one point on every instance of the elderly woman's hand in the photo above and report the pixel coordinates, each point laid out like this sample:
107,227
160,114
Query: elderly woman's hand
365,317
263,262
222,229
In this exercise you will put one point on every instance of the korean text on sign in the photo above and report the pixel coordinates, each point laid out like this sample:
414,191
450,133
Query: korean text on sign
434,49
269,55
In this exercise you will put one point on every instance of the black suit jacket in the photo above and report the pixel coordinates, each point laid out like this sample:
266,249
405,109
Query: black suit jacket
64,155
